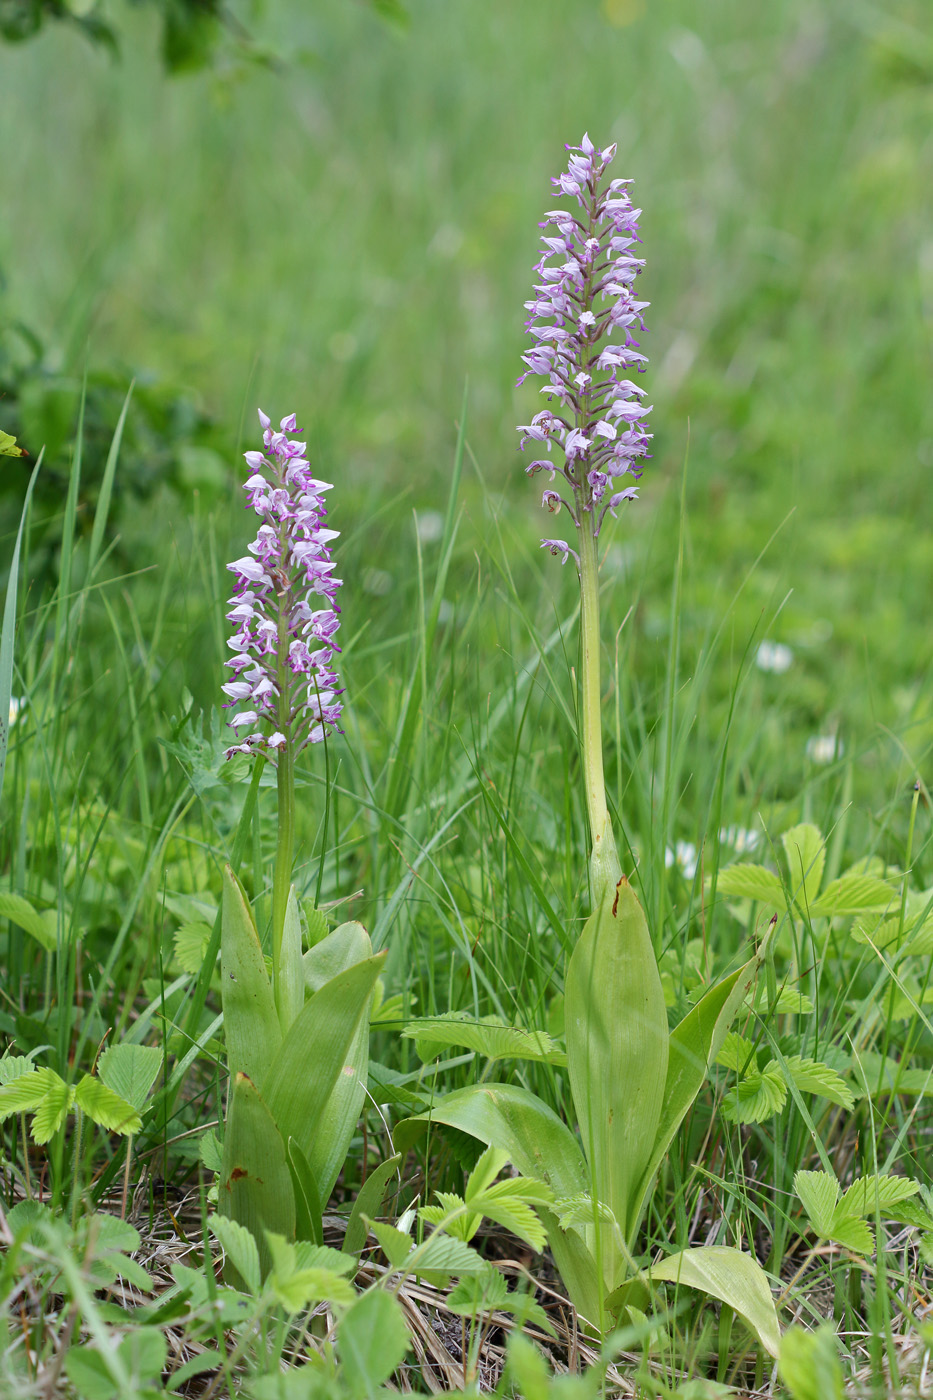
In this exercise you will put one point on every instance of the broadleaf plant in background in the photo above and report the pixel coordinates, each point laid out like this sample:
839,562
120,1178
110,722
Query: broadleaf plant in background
632,1080
297,1043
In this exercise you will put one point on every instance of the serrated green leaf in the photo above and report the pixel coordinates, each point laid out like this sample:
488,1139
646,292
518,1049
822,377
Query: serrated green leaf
806,858
107,1109
788,1002
210,1151
487,1037
30,920
736,1053
736,1279
445,1255
372,1340
884,1075
297,1285
490,1164
191,944
809,1364
51,1113
815,1077
511,1205
851,1233
477,1293
617,1055
751,882
395,1244
577,1212
241,1249
756,1097
851,894
130,1071
8,446
13,1067
819,1193
870,1194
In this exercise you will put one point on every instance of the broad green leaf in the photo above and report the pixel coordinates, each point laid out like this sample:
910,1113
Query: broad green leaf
51,1113
130,1071
694,1044
815,1077
345,947
30,920
806,857
308,1210
736,1279
515,1120
191,944
617,1054
291,973
756,1097
869,1195
241,1250
488,1037
809,1364
483,1175
8,446
255,1186
886,1076
107,1109
851,1232
251,1025
819,1193
851,894
316,1086
369,1201
372,1340
751,882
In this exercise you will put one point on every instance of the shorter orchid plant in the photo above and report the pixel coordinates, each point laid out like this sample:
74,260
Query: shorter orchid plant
632,1079
297,1043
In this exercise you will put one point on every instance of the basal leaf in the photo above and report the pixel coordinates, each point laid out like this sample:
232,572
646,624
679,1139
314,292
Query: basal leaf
255,1186
617,1053
734,1278
107,1109
343,948
756,1097
369,1201
851,894
815,1077
291,979
818,1192
751,882
309,1223
316,1085
30,920
806,857
130,1071
251,1025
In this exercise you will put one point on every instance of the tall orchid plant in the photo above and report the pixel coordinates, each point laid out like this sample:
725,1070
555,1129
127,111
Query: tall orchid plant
297,1045
632,1079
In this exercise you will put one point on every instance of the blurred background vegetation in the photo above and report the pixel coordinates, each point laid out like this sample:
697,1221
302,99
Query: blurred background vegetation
332,207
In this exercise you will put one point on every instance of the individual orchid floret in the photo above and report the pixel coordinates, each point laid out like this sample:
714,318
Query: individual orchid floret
584,318
283,643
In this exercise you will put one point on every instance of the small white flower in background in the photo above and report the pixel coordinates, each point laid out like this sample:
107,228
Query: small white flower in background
16,704
823,748
684,856
774,657
430,525
740,839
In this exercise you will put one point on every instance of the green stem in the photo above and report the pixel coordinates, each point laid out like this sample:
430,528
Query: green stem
605,870
285,841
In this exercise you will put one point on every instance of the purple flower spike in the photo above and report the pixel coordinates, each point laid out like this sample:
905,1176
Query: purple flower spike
283,640
583,318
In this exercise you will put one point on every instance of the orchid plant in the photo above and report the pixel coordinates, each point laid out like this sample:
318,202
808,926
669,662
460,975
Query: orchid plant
297,1043
632,1080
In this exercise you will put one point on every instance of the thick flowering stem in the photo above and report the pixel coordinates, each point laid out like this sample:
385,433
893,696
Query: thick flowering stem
605,869
578,307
